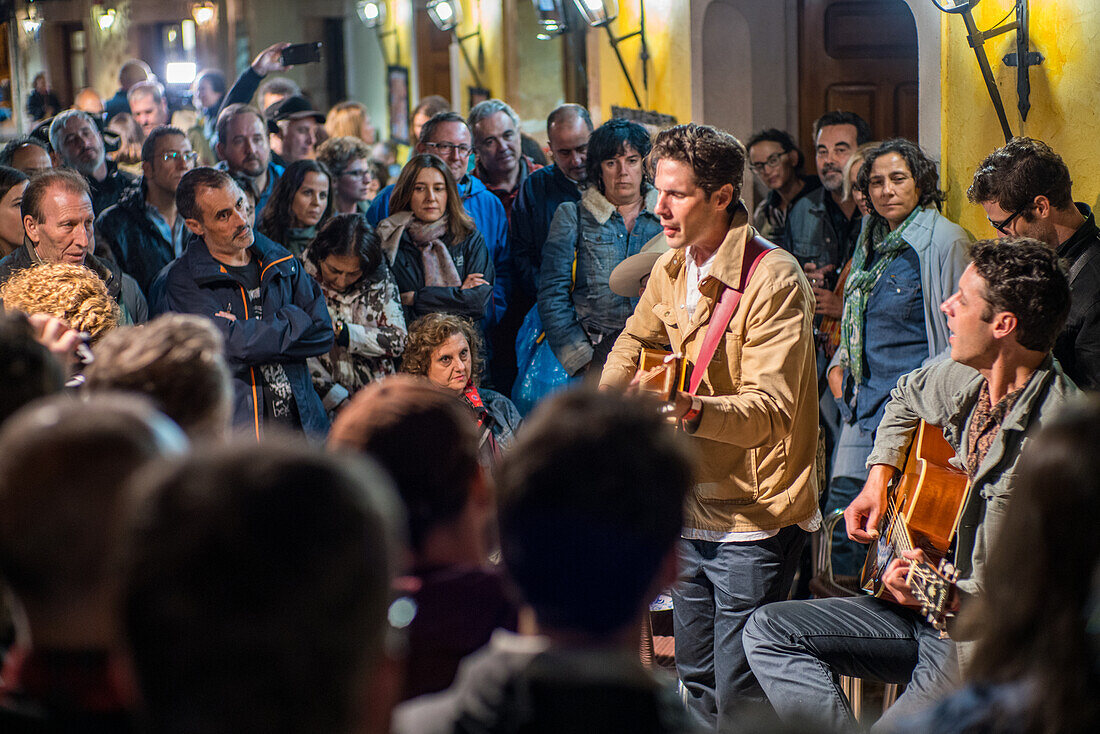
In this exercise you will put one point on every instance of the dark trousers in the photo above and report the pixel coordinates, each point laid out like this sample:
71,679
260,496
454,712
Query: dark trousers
719,587
798,648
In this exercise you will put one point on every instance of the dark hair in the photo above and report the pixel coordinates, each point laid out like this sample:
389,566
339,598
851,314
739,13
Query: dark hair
1023,276
380,172
215,77
149,147
28,371
566,112
202,177
460,225
388,420
591,502
176,361
232,111
63,469
438,119
609,140
837,117
432,104
347,234
257,588
716,157
278,85
7,153
1013,175
246,184
428,332
1035,620
922,168
43,181
781,138
10,177
278,216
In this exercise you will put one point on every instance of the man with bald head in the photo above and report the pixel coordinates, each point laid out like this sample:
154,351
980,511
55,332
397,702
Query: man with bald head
27,154
567,128
132,72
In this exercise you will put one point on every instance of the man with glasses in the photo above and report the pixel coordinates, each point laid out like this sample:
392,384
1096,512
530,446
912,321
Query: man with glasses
1025,191
144,229
447,136
776,161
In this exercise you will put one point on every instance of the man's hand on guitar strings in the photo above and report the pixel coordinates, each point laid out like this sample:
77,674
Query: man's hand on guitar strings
862,516
896,578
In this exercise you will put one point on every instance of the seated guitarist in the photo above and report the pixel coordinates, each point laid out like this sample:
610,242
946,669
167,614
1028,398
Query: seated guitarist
1000,383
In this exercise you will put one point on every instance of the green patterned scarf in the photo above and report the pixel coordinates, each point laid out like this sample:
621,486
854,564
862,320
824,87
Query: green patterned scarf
861,281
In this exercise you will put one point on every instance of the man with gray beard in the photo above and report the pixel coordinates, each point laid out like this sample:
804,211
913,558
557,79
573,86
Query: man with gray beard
76,139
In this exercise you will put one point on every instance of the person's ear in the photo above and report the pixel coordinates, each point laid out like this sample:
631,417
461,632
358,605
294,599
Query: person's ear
723,197
1042,207
147,169
195,226
1004,323
30,226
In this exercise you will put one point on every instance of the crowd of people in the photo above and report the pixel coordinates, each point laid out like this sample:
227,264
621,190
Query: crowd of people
262,466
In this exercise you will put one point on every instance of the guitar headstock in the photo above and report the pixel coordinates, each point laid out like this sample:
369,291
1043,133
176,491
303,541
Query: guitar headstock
932,587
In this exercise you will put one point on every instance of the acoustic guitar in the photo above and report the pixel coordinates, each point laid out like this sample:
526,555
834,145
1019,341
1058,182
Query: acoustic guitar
924,505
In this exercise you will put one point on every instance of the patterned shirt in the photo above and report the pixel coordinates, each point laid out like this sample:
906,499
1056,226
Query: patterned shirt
985,423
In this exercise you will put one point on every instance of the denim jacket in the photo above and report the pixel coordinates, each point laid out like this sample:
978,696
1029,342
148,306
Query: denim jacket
578,320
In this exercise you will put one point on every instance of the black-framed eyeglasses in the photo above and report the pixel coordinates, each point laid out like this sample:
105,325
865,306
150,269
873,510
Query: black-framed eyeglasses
447,148
1001,225
771,162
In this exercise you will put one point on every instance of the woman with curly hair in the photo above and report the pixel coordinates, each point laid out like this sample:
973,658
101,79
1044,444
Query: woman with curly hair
348,158
446,349
72,293
907,262
299,204
346,259
439,259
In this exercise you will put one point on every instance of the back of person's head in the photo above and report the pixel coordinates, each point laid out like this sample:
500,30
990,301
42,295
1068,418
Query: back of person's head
63,470
72,293
277,86
176,361
1023,276
715,157
257,588
423,437
590,505
151,88
344,235
1036,621
214,77
839,117
27,371
1013,175
134,72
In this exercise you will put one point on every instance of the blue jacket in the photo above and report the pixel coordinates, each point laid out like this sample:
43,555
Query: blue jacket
538,199
578,317
491,222
295,323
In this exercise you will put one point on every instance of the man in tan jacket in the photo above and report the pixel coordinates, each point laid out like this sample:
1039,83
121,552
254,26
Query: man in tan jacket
753,417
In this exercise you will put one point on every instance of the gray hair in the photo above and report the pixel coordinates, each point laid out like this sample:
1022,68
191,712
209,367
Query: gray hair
151,88
57,127
488,108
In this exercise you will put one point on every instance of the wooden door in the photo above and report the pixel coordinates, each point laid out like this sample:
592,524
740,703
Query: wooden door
433,57
859,56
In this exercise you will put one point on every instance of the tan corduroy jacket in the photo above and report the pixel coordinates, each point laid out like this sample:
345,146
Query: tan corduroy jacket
756,439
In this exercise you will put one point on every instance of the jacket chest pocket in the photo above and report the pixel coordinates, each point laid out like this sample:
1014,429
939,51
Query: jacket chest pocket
595,260
897,298
723,371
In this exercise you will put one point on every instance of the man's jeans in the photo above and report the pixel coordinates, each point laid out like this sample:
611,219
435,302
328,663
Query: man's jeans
797,649
720,585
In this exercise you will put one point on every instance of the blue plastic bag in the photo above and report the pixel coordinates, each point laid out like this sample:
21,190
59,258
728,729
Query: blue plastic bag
540,372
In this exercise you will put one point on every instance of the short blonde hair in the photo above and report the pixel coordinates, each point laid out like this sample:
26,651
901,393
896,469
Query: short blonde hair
72,293
855,161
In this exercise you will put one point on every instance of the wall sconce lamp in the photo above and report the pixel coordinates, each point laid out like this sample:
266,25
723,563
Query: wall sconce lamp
33,22
204,13
373,15
447,16
600,13
1022,59
104,17
551,19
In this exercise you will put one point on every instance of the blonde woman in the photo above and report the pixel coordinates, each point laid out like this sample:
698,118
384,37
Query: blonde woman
72,293
350,119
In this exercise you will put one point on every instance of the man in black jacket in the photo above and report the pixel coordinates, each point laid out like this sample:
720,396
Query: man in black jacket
1025,190
144,230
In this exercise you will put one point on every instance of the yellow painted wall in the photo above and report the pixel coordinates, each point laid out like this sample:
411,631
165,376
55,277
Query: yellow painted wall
668,24
1064,98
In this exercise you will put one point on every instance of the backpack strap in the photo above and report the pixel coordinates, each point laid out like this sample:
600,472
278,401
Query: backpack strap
755,250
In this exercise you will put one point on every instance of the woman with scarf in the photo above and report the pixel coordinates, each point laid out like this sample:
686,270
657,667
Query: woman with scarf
438,258
299,203
906,263
445,349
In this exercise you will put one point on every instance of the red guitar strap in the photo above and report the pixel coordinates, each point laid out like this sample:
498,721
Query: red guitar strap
755,250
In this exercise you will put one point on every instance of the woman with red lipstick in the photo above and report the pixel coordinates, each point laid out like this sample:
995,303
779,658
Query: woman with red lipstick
299,205
438,257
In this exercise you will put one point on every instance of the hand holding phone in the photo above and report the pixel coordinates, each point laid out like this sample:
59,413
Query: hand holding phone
301,53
